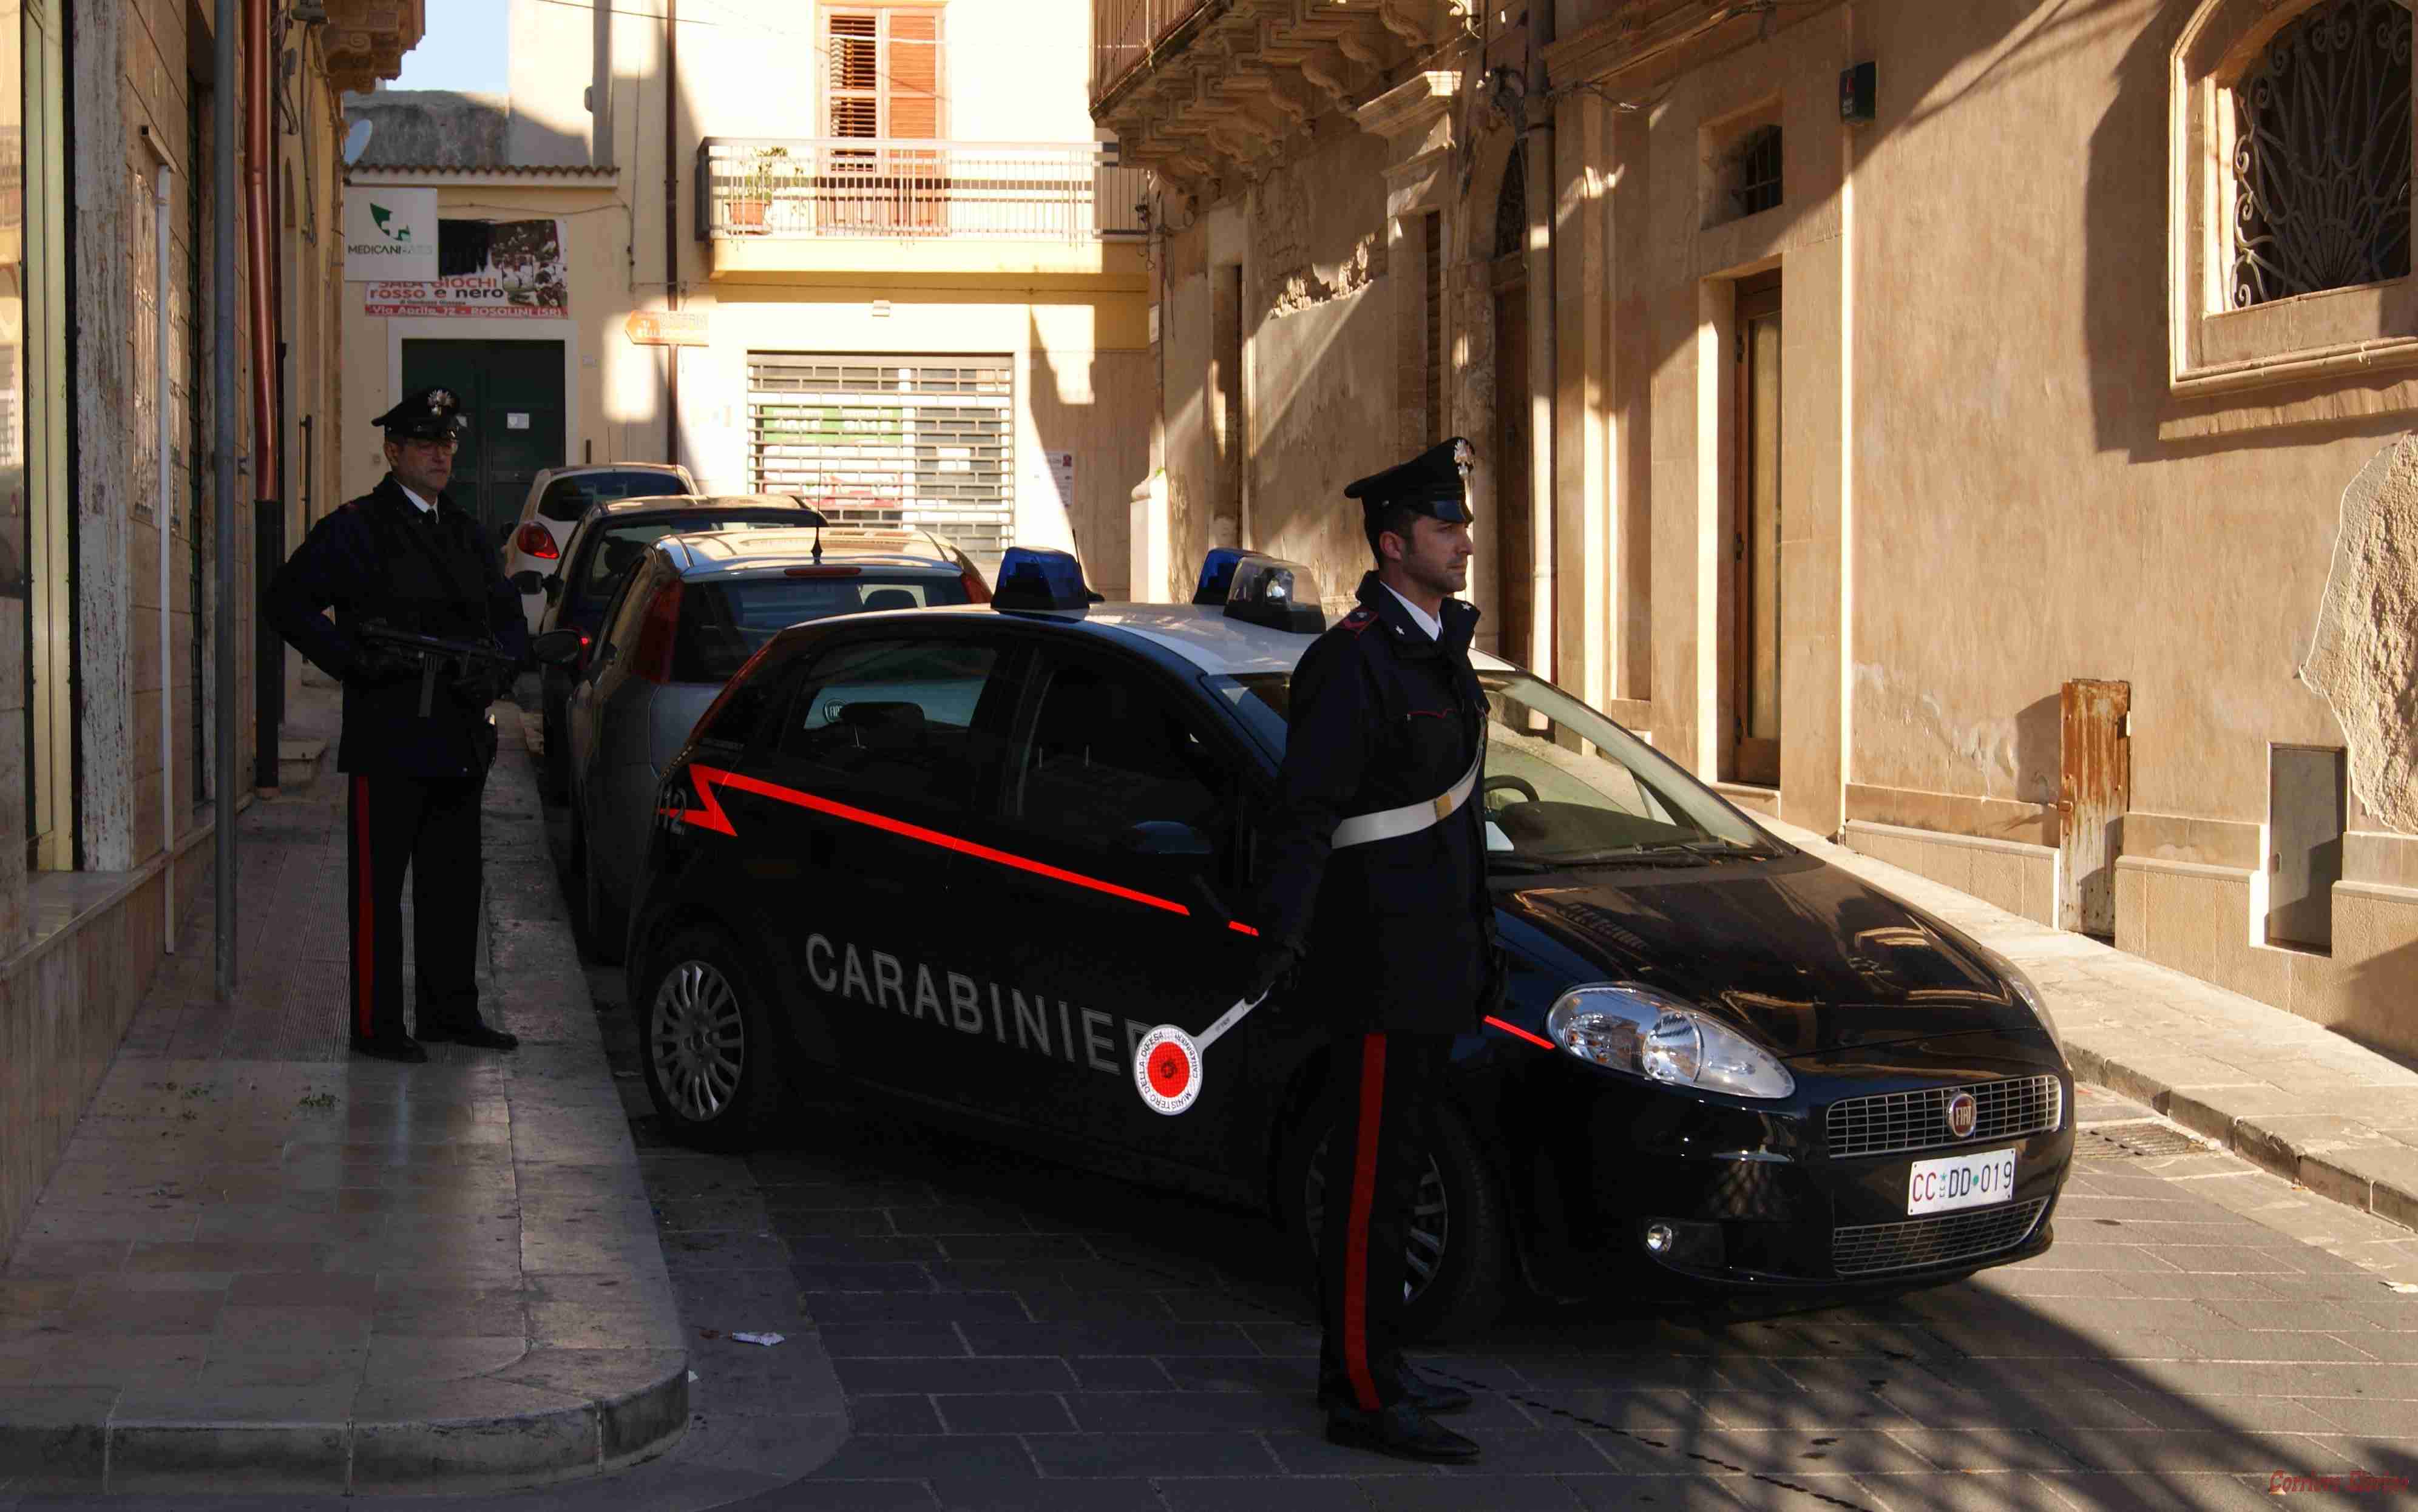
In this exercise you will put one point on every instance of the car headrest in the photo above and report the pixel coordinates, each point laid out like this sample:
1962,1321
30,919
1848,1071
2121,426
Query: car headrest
893,717
890,598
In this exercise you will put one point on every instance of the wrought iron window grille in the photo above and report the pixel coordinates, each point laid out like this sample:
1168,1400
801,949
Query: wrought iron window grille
2321,155
1758,171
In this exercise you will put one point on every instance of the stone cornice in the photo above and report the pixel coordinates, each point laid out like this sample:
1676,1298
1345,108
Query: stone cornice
1418,101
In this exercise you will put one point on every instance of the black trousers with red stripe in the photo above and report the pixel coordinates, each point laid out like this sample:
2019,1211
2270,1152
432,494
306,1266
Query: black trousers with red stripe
430,828
1385,1089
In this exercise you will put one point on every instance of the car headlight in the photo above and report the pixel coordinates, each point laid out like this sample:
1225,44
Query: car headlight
2027,990
1626,1027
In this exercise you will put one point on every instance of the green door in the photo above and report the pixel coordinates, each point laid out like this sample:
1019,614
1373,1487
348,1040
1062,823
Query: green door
512,393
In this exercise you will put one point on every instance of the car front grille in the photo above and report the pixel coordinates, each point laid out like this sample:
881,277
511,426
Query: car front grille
1871,1248
1918,1120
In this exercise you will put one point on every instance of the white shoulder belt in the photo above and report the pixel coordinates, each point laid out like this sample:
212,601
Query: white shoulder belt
1393,823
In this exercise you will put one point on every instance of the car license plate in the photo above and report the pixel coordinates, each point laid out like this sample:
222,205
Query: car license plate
1971,1180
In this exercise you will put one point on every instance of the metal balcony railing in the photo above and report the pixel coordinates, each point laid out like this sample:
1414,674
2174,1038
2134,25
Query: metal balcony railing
1123,32
809,187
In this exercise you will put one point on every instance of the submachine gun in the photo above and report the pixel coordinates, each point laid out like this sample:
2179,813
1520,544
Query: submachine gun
436,653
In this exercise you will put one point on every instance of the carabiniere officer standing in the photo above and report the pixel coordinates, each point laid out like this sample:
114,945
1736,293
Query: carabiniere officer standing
1377,882
405,554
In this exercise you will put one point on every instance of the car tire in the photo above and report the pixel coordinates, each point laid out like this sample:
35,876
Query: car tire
705,1041
1464,1287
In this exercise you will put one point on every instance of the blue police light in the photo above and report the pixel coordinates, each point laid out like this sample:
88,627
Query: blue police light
1279,594
1035,577
1218,573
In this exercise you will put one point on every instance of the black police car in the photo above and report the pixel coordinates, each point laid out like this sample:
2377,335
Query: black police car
971,856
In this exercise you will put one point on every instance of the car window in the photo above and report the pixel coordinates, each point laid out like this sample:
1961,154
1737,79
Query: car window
1564,785
1103,753
619,627
723,621
608,552
569,498
895,719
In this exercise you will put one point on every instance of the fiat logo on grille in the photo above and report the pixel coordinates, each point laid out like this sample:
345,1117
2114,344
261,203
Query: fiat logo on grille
1962,1113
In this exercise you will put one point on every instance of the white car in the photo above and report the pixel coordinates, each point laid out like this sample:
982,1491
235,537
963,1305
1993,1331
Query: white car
560,497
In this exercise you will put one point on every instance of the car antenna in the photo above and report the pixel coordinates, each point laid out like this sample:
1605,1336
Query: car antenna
800,500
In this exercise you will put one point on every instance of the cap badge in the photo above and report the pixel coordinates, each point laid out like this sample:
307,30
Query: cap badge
439,398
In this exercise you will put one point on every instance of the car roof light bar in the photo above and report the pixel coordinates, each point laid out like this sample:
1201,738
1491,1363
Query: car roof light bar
1279,594
1218,573
1037,578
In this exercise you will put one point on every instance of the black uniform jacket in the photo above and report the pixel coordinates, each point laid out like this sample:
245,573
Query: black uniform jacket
1397,934
379,558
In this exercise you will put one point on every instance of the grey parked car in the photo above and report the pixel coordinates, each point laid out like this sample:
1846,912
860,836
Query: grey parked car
685,617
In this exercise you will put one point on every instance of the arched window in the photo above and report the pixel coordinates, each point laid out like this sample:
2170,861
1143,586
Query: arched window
2321,155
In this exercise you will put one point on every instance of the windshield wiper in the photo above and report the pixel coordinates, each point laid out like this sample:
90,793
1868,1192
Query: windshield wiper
1525,865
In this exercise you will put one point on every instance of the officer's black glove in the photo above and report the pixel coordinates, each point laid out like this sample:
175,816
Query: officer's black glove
376,666
1272,966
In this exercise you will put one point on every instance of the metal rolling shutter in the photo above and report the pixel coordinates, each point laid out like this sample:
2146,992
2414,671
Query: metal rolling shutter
888,440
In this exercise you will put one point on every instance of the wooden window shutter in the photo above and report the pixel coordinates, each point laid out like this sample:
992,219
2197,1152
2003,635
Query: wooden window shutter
912,74
852,49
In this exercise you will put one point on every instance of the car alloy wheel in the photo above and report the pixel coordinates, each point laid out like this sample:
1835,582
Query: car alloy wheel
697,1039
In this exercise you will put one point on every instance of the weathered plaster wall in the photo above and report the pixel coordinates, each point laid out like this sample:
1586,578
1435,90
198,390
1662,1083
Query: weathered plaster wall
2364,657
2020,521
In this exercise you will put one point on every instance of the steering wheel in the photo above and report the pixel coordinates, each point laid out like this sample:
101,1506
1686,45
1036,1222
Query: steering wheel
1515,784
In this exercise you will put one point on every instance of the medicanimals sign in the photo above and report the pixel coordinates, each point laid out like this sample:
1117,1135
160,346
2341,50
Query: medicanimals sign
389,233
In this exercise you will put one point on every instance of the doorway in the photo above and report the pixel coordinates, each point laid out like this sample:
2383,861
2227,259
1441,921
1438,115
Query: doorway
1756,462
512,393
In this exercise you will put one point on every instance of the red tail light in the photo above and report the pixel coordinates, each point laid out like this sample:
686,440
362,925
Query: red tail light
738,681
536,541
653,660
586,647
977,591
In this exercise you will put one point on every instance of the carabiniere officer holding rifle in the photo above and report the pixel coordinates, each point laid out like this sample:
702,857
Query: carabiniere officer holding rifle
417,738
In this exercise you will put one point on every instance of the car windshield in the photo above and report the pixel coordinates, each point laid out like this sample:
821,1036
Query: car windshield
572,498
618,546
722,624
1565,787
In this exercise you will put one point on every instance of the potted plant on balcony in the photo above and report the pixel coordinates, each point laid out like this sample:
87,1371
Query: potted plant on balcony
751,196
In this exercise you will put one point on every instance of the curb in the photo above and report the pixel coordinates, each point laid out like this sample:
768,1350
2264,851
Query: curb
2305,1141
2383,1183
556,1413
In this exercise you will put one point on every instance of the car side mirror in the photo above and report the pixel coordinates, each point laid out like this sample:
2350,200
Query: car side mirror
557,648
504,531
553,587
528,580
1167,839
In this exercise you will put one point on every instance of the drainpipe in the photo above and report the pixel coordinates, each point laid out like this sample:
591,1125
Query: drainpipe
671,224
266,442
222,344
1543,192
163,179
599,88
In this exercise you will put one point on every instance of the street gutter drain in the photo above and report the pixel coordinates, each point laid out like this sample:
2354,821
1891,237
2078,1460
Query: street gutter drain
2134,1141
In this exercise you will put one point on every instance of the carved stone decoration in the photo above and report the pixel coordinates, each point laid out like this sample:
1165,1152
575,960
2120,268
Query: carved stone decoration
365,40
2321,155
2364,656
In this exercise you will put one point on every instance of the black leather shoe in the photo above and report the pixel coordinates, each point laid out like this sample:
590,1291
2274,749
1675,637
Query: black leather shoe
1400,1431
401,1048
476,1035
1424,1394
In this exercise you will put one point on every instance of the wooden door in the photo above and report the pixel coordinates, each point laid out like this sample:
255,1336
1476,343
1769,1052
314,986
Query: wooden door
1515,559
512,393
1755,544
2094,788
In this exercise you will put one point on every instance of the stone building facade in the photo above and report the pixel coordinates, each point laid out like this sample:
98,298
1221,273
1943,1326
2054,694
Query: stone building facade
909,281
108,618
1954,428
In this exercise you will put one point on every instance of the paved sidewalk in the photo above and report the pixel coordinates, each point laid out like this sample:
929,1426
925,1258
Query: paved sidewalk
2287,1093
266,1265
